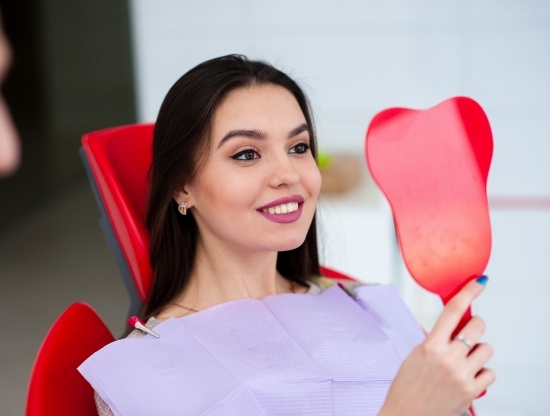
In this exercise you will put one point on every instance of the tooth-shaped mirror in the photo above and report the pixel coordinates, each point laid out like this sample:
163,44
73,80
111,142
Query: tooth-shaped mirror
432,166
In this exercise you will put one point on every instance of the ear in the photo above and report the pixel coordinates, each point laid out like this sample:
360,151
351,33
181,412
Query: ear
184,196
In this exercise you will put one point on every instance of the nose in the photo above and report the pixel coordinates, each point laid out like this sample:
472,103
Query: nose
283,172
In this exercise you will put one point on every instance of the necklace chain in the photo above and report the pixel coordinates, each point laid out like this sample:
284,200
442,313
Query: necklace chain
293,288
185,307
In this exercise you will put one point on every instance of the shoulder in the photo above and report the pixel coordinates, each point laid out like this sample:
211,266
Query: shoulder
102,408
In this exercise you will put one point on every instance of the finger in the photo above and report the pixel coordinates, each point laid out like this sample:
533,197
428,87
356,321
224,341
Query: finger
456,307
479,356
483,380
470,334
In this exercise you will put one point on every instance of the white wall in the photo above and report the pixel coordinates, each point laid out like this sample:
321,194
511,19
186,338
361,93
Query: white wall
357,57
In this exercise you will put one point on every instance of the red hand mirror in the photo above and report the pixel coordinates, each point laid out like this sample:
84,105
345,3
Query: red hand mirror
432,166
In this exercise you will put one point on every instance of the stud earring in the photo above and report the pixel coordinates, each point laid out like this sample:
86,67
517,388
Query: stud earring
182,208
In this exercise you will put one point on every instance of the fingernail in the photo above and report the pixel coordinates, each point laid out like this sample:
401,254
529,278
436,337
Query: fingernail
482,280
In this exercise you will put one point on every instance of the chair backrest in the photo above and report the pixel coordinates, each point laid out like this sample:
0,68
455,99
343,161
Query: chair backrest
118,161
55,386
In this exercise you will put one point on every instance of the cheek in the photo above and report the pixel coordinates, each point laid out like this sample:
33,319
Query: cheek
312,180
231,192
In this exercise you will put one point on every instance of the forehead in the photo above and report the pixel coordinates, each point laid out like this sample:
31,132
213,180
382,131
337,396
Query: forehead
257,106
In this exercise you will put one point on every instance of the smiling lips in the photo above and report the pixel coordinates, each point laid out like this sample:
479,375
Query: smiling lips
283,210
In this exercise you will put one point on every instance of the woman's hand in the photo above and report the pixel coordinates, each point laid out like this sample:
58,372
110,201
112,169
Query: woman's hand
442,376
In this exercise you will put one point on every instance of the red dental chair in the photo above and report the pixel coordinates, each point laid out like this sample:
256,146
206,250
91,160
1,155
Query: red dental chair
56,387
117,162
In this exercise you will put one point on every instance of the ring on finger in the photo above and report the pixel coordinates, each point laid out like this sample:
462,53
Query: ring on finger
464,340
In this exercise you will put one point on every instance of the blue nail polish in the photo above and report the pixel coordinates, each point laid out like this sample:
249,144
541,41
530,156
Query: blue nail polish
482,280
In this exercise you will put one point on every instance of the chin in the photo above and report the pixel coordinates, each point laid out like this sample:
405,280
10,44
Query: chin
291,244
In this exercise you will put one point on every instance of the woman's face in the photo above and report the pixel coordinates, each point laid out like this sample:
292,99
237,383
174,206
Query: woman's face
259,187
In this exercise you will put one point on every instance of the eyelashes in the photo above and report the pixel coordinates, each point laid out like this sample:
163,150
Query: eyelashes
251,154
300,149
247,154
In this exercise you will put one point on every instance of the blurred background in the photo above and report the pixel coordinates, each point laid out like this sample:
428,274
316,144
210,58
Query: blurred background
84,66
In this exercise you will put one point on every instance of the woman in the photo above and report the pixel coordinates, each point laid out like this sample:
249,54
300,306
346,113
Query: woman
234,186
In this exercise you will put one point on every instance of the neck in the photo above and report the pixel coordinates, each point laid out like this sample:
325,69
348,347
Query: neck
223,275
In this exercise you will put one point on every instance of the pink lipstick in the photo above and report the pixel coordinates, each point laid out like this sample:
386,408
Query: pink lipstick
283,210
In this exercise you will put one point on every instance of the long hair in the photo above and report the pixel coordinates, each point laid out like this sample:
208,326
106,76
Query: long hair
180,147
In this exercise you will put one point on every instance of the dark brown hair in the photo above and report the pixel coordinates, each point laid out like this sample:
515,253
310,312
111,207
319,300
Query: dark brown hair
180,145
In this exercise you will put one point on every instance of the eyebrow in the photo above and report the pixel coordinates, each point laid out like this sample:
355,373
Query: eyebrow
258,135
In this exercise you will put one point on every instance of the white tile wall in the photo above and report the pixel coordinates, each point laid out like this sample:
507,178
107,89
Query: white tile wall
509,68
357,57
516,309
508,11
521,154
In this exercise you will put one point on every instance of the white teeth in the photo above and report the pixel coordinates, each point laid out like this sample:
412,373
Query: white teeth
282,209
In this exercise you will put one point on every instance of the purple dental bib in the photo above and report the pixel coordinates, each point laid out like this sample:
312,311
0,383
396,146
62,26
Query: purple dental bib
325,354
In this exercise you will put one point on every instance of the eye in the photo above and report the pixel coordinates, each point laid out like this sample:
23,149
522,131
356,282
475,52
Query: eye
248,154
300,148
